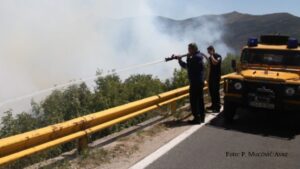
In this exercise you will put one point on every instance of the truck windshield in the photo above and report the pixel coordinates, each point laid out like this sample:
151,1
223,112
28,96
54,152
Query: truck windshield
271,57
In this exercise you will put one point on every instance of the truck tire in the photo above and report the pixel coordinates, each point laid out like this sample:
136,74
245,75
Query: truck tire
229,111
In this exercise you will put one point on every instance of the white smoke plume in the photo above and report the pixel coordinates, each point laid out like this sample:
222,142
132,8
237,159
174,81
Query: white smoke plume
48,42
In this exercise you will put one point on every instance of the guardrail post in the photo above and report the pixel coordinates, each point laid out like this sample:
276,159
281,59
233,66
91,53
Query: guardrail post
82,144
173,107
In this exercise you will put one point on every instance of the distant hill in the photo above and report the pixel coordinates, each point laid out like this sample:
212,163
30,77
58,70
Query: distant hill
239,27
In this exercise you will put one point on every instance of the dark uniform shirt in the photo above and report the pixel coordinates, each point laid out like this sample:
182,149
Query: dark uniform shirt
195,68
215,70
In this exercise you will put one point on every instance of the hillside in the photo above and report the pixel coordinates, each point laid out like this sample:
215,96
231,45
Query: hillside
237,27
241,26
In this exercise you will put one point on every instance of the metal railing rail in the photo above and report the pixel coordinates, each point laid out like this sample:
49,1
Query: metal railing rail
15,147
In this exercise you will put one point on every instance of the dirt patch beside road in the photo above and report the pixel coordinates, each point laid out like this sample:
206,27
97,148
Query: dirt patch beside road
128,150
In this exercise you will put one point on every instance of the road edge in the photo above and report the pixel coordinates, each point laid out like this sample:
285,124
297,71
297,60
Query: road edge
171,144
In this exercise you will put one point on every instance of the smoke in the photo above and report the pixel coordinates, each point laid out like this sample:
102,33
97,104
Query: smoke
48,42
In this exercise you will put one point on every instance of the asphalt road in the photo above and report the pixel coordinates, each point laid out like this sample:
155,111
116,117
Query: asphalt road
256,140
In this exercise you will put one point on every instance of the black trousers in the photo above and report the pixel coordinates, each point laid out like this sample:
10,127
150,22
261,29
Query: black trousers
214,91
197,101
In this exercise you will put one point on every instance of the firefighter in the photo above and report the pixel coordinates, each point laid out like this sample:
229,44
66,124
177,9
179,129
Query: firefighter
195,67
214,78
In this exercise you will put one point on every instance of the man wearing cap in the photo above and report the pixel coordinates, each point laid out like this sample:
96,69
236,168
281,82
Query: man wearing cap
214,78
195,67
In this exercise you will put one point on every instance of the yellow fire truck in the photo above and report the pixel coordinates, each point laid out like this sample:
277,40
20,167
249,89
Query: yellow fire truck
267,77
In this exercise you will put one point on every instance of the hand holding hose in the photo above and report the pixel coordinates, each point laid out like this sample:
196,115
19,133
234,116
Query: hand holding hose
175,57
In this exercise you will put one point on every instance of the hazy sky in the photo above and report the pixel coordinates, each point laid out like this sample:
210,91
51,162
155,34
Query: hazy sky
180,9
48,42
184,9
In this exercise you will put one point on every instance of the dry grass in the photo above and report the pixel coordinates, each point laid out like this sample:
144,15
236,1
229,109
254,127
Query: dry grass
124,147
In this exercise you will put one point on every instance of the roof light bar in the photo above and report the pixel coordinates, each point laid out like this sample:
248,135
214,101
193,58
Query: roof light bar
252,42
292,43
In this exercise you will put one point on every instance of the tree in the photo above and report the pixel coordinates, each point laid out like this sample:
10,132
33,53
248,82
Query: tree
8,124
226,63
179,79
52,109
137,87
108,92
14,125
77,101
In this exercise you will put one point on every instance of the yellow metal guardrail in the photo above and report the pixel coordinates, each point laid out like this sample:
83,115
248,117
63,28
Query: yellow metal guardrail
25,144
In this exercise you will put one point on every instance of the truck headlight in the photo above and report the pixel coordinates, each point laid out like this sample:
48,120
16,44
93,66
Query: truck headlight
238,85
290,91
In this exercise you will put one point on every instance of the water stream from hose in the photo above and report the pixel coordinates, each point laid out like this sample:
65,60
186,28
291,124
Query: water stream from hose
115,71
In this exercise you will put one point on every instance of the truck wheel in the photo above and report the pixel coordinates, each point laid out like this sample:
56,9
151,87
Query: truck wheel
229,111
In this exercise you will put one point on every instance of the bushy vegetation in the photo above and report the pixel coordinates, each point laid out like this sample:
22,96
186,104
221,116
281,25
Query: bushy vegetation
226,63
80,100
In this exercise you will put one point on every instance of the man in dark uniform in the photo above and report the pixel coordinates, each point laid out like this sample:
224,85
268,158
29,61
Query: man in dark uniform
195,67
215,61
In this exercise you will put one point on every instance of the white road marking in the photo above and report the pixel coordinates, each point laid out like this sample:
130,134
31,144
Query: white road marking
171,144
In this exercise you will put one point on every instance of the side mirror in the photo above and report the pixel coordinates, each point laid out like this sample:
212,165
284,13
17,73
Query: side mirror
233,65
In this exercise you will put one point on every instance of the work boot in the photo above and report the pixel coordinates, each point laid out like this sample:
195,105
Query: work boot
210,108
216,110
195,121
202,118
